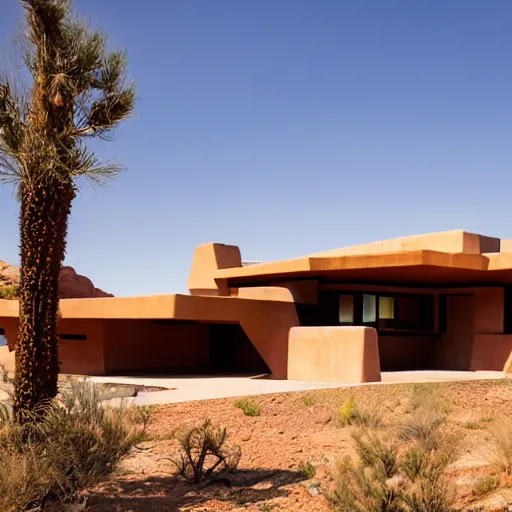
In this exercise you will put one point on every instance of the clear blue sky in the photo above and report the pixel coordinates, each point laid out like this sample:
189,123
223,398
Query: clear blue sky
291,127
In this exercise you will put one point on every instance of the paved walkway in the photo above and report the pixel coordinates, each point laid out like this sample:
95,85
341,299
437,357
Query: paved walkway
188,388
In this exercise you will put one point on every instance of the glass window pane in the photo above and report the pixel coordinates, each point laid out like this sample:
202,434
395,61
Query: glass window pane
346,309
386,308
369,308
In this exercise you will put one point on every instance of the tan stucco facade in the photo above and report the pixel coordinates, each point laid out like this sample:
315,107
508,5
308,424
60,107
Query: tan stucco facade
451,293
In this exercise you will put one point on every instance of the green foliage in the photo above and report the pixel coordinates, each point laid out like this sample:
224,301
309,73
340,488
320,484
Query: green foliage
307,469
249,407
485,485
9,292
204,451
308,400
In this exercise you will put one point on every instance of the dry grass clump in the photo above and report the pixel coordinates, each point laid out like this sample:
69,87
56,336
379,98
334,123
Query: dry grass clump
362,415
398,469
501,435
204,451
74,444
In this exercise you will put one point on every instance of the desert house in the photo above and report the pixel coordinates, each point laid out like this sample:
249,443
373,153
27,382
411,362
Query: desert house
434,301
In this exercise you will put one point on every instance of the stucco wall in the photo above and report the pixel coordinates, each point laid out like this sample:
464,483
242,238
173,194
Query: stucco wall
146,345
83,357
491,351
334,354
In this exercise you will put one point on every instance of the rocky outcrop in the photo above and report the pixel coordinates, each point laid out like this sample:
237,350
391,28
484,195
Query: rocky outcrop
71,284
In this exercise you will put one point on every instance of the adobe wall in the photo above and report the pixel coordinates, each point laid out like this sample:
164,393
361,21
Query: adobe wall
334,354
83,357
146,345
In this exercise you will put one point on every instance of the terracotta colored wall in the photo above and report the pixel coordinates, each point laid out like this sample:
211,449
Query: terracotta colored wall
143,345
489,303
76,356
334,354
491,351
207,259
84,357
407,352
456,344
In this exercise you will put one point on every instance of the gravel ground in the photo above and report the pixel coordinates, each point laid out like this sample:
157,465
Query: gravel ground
295,427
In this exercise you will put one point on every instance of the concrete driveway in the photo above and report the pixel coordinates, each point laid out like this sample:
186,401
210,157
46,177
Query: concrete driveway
188,388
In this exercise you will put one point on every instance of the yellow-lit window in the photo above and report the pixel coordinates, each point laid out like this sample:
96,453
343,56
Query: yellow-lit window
386,308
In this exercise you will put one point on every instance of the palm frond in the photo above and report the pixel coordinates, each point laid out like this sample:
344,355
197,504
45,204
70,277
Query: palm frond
12,129
111,109
86,164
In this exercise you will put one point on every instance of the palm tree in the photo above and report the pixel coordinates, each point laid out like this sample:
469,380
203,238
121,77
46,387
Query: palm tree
78,90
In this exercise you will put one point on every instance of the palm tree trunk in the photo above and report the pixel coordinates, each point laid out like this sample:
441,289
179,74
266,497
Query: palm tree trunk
45,208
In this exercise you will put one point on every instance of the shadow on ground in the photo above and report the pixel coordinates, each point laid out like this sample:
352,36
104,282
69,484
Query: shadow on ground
158,494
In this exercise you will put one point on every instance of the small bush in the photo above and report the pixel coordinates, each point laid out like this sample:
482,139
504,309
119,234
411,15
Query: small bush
369,415
204,451
307,469
429,396
423,426
386,479
377,451
74,444
249,407
308,400
485,485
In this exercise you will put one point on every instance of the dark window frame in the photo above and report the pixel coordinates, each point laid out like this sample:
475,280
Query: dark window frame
73,337
427,324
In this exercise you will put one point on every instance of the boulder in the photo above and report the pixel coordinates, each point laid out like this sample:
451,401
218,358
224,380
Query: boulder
71,284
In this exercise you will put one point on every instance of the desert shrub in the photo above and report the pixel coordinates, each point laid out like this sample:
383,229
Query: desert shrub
74,444
386,479
423,426
429,396
377,451
9,292
485,485
24,478
306,469
249,407
501,435
368,415
362,489
204,451
308,400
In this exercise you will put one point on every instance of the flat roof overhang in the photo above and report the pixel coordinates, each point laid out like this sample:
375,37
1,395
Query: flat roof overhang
156,307
425,268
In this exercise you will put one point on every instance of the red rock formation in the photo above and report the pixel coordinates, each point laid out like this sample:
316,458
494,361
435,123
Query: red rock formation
71,284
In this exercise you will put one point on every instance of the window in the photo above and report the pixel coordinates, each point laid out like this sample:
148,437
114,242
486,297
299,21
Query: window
369,308
394,312
386,308
347,310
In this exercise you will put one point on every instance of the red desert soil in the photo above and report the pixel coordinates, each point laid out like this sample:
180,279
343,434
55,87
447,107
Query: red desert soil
295,427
